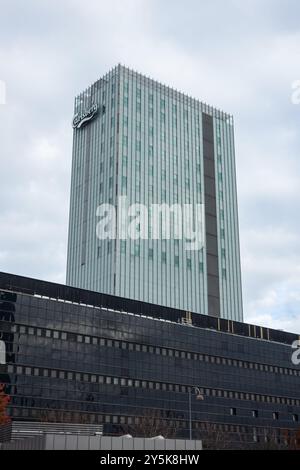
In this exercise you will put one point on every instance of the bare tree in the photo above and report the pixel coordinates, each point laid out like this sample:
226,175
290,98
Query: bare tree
293,440
213,437
61,416
288,439
150,424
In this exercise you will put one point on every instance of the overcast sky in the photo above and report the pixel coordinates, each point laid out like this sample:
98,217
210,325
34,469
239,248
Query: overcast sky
241,56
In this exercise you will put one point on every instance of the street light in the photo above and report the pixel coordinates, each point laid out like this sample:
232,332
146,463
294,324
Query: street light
199,396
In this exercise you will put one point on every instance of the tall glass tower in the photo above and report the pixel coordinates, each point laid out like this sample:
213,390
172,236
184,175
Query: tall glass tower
137,138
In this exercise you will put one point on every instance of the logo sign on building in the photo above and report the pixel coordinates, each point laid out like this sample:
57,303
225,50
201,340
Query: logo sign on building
80,119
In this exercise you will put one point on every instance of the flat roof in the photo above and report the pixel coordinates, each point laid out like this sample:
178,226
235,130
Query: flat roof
169,90
30,286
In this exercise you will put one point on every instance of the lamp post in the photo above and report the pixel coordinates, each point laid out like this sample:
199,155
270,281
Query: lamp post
199,396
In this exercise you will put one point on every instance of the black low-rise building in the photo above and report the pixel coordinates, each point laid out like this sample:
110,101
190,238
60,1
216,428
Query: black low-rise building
79,356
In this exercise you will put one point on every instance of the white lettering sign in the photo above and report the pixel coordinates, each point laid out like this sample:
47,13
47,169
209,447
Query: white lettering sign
83,118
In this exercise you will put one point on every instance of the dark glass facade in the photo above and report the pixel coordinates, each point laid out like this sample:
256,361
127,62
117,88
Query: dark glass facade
86,357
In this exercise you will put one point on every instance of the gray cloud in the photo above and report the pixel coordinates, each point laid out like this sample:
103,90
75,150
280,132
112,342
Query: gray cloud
238,56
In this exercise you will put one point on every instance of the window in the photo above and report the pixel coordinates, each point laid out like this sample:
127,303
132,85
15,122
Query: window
124,182
254,414
275,415
232,411
136,249
295,418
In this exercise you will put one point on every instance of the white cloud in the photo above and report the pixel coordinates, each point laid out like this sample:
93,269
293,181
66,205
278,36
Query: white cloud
268,320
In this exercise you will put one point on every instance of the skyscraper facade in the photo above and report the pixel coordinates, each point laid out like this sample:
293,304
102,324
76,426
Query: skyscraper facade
145,143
